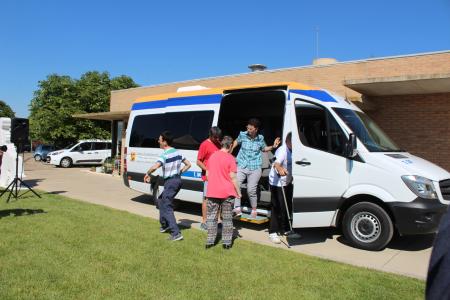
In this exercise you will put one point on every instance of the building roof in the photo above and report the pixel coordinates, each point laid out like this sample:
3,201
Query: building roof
106,116
401,85
191,81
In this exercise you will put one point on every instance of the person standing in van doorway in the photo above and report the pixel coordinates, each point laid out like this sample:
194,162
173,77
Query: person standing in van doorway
223,189
280,177
249,160
170,161
207,148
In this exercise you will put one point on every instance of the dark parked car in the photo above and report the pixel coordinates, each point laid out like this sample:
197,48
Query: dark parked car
41,151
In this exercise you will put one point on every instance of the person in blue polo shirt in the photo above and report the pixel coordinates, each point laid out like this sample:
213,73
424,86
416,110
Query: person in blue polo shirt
170,161
249,161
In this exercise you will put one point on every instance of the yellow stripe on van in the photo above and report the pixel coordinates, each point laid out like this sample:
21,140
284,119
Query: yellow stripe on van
214,91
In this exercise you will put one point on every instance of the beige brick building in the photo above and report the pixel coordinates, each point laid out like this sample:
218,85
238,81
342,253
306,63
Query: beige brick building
408,96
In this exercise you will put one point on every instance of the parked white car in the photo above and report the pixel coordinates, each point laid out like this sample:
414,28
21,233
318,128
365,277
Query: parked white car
85,152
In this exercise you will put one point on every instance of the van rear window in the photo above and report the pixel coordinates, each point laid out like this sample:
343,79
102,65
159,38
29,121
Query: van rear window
188,128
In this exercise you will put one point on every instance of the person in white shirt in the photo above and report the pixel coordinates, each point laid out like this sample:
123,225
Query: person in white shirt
280,177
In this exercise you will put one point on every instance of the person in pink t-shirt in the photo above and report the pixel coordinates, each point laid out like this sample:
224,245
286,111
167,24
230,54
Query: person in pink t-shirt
207,148
222,189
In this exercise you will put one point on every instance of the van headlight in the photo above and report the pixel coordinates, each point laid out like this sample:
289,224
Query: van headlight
421,186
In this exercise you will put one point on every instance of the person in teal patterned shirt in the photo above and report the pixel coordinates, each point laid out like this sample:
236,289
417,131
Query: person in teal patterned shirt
249,161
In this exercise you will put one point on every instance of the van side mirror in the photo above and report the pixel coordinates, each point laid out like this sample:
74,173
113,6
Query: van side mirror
351,151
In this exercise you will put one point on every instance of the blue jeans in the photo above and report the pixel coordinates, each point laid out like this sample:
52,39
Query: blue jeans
166,215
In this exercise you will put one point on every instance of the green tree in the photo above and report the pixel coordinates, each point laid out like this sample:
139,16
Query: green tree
60,97
5,110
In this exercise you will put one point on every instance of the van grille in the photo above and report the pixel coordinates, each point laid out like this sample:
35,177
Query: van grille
445,188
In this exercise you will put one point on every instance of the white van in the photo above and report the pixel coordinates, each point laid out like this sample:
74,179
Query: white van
347,172
85,152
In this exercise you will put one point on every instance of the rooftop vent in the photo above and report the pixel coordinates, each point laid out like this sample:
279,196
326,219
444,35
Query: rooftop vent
191,88
324,61
257,67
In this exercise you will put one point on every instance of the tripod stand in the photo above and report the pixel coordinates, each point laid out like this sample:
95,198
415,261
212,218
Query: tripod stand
13,186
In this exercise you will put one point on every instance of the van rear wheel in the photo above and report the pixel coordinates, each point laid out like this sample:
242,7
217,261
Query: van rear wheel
367,226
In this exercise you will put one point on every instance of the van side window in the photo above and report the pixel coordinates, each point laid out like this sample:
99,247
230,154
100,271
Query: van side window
84,147
312,125
318,129
146,130
338,139
99,146
189,128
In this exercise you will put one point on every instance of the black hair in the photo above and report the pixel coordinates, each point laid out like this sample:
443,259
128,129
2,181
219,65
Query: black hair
167,136
254,122
3,148
215,132
289,136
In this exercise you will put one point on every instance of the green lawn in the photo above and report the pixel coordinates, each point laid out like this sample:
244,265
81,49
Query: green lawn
57,248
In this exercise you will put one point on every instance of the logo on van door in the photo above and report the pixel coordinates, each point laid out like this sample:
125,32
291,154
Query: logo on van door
133,156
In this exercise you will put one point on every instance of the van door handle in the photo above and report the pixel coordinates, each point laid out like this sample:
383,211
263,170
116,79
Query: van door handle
303,162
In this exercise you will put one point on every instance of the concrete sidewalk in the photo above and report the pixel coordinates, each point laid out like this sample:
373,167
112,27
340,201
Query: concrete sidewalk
405,255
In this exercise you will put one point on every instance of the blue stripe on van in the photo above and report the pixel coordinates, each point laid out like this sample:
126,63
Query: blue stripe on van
192,174
193,100
317,94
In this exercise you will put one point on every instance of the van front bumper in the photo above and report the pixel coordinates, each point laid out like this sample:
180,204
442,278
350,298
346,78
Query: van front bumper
54,161
421,216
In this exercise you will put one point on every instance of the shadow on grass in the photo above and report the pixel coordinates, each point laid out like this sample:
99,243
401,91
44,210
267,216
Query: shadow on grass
55,193
19,212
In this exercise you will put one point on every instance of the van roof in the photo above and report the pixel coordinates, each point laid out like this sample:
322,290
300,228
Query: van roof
94,140
214,91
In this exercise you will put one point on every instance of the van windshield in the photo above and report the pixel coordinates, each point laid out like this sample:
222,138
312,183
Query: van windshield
367,131
70,146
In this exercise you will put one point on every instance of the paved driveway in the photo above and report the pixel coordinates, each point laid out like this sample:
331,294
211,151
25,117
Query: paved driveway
405,255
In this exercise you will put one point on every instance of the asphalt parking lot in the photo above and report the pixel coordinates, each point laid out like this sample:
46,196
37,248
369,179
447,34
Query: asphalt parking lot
404,255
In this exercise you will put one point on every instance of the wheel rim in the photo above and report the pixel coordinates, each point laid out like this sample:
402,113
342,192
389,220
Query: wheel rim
65,163
37,157
365,227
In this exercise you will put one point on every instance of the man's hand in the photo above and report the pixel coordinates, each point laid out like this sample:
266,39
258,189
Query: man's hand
147,178
283,172
276,142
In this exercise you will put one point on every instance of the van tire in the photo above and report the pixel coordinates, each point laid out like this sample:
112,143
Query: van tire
66,162
37,157
367,226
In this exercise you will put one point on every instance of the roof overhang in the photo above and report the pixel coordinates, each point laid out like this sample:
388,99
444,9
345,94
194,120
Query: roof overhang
106,116
401,85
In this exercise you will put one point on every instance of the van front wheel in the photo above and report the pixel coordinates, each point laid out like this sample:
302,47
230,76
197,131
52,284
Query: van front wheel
66,162
367,226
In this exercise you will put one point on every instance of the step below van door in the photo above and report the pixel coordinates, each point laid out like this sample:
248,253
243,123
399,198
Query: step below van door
319,168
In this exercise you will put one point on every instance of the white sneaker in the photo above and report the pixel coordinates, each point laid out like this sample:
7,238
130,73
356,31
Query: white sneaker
274,238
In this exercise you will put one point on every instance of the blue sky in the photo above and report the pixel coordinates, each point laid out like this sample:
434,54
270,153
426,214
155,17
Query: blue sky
165,41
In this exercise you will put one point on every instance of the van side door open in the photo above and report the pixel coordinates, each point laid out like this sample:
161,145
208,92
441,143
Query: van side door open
320,169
